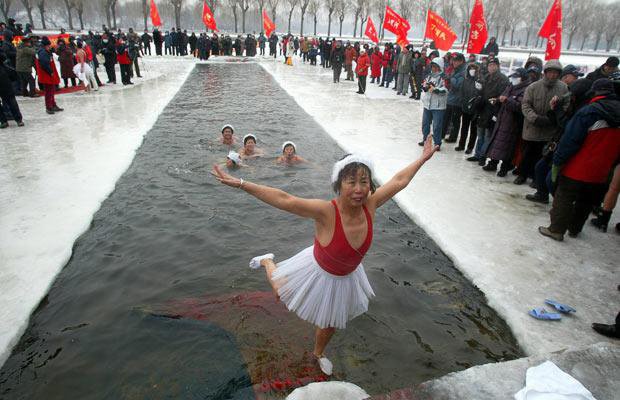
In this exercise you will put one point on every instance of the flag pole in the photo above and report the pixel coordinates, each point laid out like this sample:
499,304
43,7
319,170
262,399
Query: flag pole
468,25
425,26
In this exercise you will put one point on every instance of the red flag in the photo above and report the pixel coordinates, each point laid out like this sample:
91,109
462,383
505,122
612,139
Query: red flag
478,29
552,31
268,24
396,24
438,30
371,31
155,14
208,18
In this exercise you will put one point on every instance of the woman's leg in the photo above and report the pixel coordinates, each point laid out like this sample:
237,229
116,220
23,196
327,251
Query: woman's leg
321,339
270,267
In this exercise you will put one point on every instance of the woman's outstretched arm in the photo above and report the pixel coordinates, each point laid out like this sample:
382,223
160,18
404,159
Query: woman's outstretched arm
403,177
306,208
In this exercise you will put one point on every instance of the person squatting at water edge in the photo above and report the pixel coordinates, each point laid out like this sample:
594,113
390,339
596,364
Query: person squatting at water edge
325,284
228,137
249,149
289,154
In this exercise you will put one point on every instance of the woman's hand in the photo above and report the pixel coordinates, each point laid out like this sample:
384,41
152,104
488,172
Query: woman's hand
429,149
224,178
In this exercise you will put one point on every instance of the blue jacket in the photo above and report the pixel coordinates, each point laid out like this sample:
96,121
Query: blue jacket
45,59
455,93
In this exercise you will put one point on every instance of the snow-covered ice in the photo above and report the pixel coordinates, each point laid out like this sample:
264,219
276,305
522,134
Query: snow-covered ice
482,222
56,172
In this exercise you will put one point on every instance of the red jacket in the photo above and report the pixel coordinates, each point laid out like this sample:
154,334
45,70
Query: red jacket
376,60
89,52
363,62
123,58
387,58
349,55
44,77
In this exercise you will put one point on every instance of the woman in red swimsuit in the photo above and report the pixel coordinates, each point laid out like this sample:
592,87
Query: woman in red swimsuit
325,284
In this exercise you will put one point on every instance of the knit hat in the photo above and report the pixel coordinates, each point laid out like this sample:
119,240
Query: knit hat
553,64
612,62
519,73
45,41
494,61
571,70
602,86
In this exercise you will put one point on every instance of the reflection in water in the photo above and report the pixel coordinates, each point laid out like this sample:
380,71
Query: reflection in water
157,300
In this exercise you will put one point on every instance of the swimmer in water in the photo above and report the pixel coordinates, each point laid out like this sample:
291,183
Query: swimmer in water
228,136
249,149
289,154
233,160
325,284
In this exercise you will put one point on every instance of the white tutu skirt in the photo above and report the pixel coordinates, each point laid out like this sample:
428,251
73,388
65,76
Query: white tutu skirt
321,298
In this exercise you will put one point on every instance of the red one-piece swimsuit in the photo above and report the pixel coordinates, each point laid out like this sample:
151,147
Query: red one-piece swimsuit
339,257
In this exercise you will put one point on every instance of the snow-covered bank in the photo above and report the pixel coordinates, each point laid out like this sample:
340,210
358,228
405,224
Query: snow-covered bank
482,222
56,172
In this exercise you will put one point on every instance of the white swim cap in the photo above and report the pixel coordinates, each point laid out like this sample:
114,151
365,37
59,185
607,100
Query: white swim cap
234,157
228,126
351,158
288,143
249,135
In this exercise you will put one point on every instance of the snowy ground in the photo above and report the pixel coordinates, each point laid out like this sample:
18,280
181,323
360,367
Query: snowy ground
55,173
482,222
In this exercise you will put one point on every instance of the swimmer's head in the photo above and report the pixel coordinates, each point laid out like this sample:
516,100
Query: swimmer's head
352,168
233,159
227,133
249,138
289,149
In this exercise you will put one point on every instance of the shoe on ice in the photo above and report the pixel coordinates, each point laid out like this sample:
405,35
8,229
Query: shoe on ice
56,109
602,220
491,167
459,148
255,262
421,143
20,123
543,230
541,313
536,198
520,180
607,330
326,366
4,125
560,307
473,158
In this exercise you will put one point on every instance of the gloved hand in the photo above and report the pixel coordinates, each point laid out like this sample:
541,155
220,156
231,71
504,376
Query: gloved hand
478,86
542,122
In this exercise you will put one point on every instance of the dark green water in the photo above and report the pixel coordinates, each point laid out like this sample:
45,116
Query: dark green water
170,233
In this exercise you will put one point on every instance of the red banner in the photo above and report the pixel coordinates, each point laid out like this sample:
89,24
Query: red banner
478,29
439,31
155,20
371,31
268,24
552,31
53,38
397,25
207,17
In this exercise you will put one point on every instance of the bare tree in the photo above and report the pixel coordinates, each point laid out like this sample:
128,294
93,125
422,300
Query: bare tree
29,5
378,6
330,5
405,8
574,14
313,9
69,6
79,9
261,7
145,14
233,6
357,11
41,7
303,6
5,5
448,11
178,5
509,18
113,4
364,17
292,4
613,28
273,5
244,5
341,8
536,11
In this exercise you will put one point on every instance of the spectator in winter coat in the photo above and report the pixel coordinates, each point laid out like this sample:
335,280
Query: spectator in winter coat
109,53
47,75
66,60
261,43
492,87
7,94
583,161
337,60
610,66
361,69
538,128
168,48
471,101
404,66
509,125
434,99
193,41
491,47
375,65
7,47
386,63
157,41
454,110
122,56
350,55
25,62
290,51
312,54
273,45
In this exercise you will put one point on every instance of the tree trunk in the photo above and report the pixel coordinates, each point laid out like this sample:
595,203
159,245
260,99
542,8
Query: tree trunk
236,25
598,40
610,42
28,8
290,16
362,21
381,18
512,36
243,12
315,21
583,42
273,16
113,9
342,19
81,18
260,18
355,25
504,36
329,24
69,16
570,40
527,37
107,16
5,10
145,13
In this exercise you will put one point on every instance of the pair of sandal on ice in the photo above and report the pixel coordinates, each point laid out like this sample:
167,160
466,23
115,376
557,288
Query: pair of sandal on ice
541,313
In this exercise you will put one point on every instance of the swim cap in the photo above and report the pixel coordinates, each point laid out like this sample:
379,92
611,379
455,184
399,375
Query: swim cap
351,158
228,126
234,157
248,136
288,143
